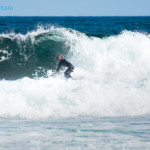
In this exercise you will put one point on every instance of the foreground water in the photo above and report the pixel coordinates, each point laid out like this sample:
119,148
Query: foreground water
83,133
107,107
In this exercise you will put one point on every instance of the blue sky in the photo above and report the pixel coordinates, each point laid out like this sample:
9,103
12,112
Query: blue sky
76,7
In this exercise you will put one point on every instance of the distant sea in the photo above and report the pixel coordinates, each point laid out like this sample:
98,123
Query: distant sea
106,107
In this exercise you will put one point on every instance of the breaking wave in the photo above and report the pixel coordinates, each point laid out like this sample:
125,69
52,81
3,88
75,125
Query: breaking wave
113,74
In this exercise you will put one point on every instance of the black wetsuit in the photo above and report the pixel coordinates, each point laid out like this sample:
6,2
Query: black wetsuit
64,62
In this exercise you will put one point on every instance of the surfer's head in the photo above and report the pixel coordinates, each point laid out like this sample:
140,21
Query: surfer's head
59,57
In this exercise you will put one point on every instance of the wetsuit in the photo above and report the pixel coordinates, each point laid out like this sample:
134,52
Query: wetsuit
64,62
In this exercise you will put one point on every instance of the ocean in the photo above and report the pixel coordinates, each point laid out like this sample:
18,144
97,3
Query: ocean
106,107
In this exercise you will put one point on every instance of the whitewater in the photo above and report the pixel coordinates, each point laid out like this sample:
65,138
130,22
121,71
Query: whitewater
113,80
107,107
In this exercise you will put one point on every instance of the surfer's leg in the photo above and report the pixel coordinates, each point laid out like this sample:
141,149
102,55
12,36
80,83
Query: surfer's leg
67,73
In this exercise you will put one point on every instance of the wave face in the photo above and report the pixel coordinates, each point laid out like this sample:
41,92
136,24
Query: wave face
113,74
21,55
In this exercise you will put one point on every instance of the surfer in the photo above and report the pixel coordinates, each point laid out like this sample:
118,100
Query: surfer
64,62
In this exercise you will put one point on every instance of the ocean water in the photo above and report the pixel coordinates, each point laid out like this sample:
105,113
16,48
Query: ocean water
107,107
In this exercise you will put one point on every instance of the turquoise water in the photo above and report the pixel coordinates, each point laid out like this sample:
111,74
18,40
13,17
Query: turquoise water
80,133
107,107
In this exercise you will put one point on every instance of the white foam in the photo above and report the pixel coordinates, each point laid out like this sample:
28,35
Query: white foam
116,81
6,55
32,34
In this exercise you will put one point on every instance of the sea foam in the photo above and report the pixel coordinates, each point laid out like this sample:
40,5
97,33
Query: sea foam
113,79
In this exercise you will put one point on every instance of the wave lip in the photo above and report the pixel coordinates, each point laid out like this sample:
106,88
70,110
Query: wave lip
32,34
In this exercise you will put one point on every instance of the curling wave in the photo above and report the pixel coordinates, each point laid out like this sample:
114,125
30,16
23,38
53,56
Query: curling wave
113,78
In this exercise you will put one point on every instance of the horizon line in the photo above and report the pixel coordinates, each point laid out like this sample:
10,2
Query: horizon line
78,16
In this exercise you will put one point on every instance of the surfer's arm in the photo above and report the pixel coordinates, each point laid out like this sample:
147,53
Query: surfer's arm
58,68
